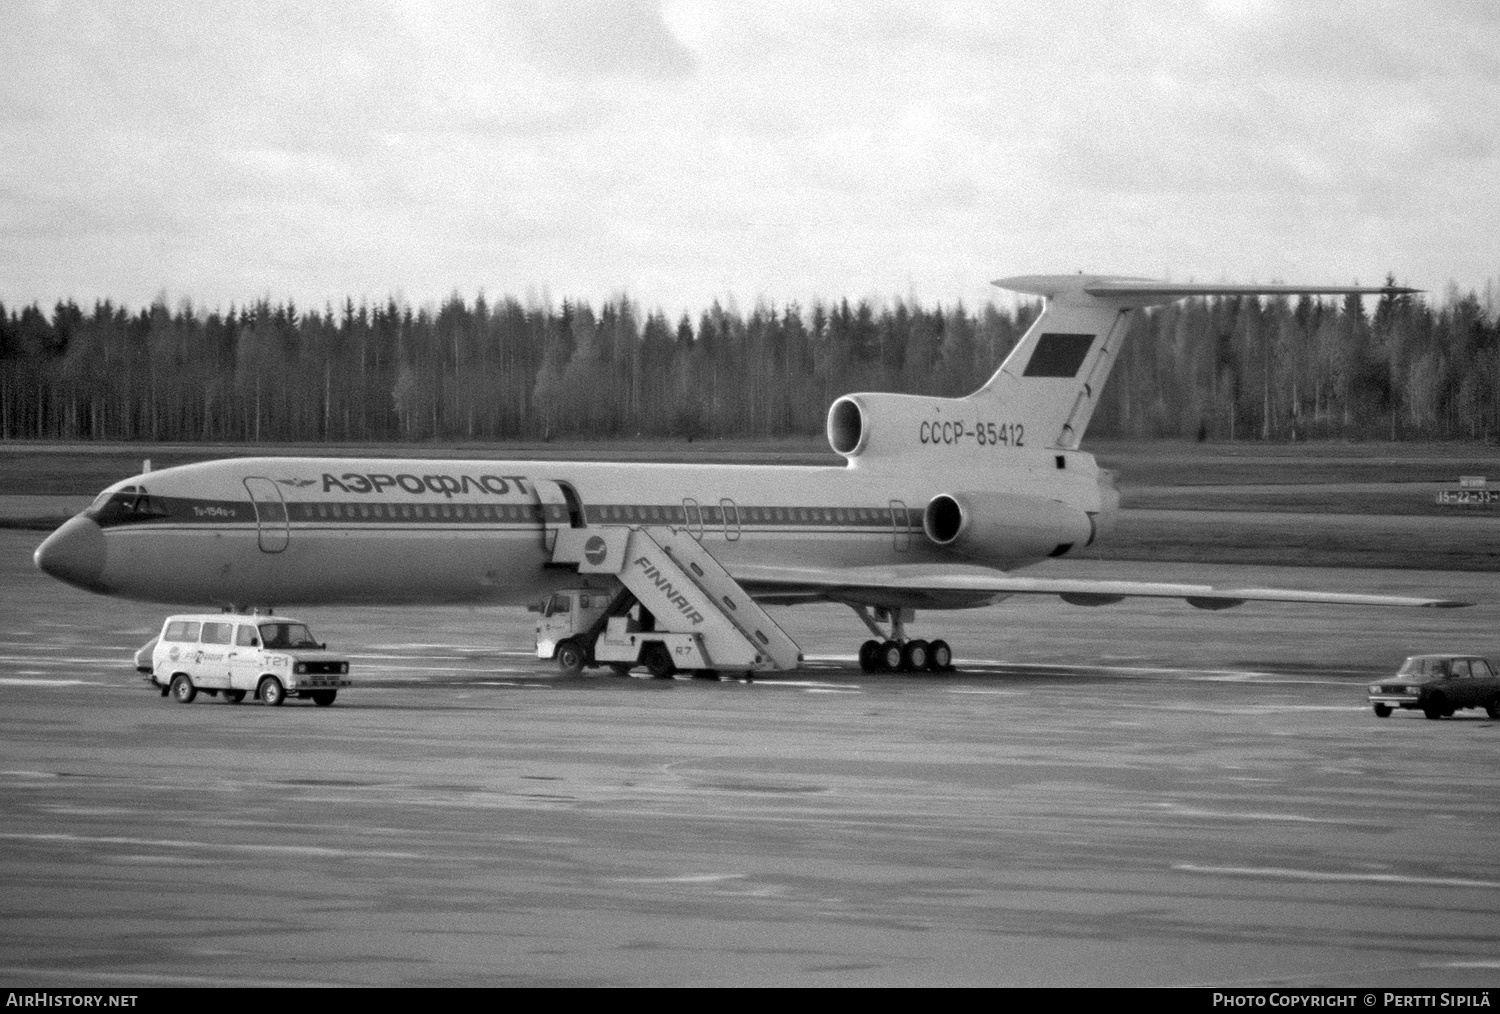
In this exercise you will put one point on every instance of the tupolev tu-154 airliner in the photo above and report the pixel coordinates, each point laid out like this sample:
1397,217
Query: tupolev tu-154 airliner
941,504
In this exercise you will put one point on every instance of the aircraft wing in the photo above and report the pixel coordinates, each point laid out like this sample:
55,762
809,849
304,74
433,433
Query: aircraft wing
950,587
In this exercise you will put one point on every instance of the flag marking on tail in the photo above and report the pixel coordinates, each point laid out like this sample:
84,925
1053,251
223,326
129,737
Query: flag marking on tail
1059,355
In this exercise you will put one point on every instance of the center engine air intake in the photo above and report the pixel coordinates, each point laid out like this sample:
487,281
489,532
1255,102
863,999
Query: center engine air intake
1004,528
846,427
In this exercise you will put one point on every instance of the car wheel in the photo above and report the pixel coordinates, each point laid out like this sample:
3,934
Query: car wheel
272,693
1435,708
570,658
323,698
657,662
1382,711
1493,708
867,652
183,689
939,656
233,696
914,656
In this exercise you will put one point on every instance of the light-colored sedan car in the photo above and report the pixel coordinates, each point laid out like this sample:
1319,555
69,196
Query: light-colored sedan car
1439,685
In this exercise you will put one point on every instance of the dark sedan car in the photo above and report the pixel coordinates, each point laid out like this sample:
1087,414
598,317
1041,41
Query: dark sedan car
1439,685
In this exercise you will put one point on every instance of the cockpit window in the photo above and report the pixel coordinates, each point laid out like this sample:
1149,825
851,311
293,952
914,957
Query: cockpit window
130,503
286,635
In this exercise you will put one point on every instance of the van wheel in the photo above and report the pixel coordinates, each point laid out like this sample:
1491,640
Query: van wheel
166,690
570,658
620,668
272,692
323,698
1382,711
657,662
233,696
183,689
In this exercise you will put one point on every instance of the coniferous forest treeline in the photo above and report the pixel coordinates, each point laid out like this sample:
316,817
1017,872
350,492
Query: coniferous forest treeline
1221,369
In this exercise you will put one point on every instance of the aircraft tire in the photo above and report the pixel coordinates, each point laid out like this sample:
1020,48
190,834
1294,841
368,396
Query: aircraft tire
914,656
323,698
183,690
888,658
657,662
1382,711
272,693
232,696
570,657
939,657
867,655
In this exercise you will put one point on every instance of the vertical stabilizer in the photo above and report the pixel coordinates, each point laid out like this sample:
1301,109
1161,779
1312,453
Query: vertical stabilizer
1051,381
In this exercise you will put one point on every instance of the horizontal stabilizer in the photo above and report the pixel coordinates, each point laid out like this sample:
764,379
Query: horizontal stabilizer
1147,291
939,586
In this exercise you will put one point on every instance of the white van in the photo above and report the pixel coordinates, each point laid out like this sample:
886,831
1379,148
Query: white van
229,655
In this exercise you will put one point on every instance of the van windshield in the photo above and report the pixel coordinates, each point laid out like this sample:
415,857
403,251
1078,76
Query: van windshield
286,635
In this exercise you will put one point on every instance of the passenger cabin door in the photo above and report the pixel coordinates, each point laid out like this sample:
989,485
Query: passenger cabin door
900,526
731,514
270,514
558,506
692,515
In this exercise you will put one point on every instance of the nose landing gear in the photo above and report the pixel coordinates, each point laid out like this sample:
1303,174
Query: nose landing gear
895,652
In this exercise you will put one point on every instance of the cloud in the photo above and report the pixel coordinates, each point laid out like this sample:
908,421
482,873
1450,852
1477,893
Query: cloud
602,38
786,149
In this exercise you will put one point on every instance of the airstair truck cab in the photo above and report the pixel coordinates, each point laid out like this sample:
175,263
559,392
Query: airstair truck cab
567,617
230,655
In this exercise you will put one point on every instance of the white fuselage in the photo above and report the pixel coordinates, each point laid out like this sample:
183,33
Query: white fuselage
293,531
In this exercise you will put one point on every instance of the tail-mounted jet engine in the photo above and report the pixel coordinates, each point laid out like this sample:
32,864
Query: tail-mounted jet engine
1001,528
882,425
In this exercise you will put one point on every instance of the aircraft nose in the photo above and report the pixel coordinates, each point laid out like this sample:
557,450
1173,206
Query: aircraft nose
74,553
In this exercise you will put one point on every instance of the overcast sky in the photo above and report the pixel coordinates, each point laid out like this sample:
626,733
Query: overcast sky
682,152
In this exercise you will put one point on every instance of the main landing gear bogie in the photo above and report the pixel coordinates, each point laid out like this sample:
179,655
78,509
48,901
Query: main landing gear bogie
913,656
895,652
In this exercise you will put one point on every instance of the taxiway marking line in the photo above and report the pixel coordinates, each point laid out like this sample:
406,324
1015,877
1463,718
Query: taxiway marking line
1318,875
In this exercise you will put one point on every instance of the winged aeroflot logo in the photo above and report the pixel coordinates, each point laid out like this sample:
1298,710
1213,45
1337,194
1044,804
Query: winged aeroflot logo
298,483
